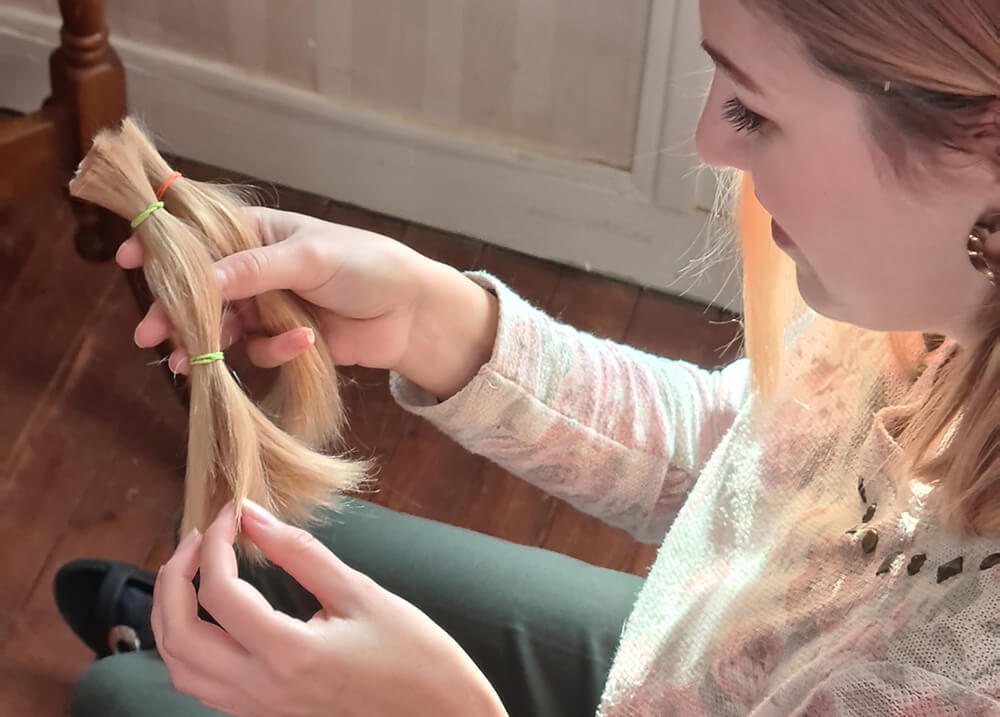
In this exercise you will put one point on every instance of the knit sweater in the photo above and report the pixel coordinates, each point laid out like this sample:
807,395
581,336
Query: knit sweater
799,572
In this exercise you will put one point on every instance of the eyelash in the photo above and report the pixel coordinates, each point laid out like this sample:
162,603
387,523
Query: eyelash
741,117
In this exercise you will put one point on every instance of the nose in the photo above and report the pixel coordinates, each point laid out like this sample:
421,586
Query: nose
717,143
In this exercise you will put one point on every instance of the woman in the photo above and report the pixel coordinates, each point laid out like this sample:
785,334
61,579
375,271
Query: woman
830,523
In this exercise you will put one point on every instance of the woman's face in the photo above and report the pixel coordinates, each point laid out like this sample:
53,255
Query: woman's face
868,249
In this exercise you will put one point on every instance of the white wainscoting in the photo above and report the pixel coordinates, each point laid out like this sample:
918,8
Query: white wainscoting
646,225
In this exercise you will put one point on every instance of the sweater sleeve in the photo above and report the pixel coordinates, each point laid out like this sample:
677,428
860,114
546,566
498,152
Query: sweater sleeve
616,432
888,689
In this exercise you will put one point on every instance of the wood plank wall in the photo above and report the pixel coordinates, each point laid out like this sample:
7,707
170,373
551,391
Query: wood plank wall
558,75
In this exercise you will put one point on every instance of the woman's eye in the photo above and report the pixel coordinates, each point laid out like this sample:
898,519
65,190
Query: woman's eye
741,117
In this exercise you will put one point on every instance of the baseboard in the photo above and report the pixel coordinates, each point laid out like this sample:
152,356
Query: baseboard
573,212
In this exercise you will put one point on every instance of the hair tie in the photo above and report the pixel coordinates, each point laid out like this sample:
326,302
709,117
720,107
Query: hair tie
206,358
162,189
144,214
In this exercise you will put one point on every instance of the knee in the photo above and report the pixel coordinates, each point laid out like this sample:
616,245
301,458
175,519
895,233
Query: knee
117,686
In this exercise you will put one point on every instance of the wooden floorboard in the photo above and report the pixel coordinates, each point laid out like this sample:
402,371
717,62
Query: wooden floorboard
23,229
39,325
92,434
123,494
45,341
671,327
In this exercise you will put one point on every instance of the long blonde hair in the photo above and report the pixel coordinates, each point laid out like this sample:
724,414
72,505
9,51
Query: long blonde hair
236,449
931,71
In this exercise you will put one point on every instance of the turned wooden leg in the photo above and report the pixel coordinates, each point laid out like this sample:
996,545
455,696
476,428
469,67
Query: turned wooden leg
88,84
88,81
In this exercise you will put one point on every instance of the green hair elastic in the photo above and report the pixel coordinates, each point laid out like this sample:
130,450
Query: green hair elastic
144,214
207,358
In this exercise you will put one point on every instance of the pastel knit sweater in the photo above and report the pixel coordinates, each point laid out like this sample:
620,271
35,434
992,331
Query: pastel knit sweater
798,574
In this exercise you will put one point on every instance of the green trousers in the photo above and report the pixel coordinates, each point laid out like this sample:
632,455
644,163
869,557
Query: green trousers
541,626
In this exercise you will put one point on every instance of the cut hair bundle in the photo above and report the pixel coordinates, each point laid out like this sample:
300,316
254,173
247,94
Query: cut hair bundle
236,449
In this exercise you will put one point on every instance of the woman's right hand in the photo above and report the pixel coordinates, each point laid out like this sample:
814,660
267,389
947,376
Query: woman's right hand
378,303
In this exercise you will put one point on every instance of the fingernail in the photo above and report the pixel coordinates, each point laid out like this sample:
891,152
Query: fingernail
188,539
135,336
176,364
257,514
220,275
310,336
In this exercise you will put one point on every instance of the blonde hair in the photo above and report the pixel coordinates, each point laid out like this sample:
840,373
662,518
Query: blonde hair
931,74
236,449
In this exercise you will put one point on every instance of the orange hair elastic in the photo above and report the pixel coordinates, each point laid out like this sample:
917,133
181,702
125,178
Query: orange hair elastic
166,183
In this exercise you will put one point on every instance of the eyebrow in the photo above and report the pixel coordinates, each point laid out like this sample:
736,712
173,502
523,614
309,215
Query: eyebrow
729,66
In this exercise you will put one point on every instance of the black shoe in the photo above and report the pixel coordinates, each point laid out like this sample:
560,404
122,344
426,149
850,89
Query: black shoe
107,604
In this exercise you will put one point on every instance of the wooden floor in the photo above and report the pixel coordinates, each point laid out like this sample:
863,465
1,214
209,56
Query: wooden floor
92,435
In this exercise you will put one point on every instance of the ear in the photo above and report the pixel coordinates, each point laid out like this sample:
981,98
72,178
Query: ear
991,243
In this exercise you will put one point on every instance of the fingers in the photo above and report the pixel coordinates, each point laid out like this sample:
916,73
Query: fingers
275,225
271,225
273,351
235,604
263,351
279,265
293,265
182,566
232,329
130,254
154,329
183,640
305,559
178,362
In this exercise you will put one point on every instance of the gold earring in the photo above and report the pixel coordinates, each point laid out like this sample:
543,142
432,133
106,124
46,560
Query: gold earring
978,237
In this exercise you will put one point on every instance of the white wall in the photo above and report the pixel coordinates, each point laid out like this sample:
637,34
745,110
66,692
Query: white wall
561,128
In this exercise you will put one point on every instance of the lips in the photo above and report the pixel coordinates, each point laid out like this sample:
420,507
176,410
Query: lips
780,237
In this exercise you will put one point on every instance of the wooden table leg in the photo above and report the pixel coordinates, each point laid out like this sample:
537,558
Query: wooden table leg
88,80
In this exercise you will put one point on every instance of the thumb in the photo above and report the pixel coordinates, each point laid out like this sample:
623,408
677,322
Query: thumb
285,265
305,559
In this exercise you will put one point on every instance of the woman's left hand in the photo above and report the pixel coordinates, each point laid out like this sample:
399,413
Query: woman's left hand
366,652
